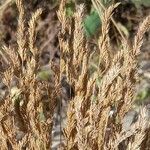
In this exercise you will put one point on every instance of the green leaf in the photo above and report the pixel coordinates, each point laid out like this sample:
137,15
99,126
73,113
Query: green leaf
92,23
70,8
44,75
143,94
69,11
42,117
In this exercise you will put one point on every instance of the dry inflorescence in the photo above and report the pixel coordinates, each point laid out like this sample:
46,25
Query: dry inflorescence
95,113
99,102
27,111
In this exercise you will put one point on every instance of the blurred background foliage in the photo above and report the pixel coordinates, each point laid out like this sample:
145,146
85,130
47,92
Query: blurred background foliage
92,22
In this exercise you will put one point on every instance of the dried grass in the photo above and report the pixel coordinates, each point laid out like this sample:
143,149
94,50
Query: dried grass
90,125
25,121
95,113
